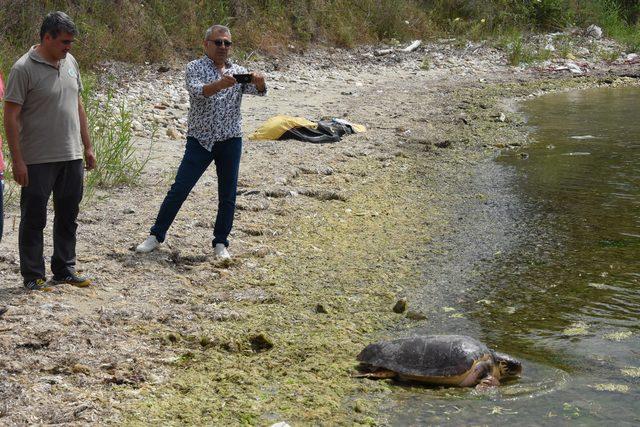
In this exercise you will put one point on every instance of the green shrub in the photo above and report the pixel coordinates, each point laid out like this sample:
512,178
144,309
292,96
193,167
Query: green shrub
112,138
551,14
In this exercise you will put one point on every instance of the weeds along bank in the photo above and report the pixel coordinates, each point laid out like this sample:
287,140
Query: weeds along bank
158,30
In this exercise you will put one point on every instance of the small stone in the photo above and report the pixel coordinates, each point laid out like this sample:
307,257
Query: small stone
583,51
136,125
400,307
320,309
80,369
173,133
415,315
443,144
593,31
128,211
260,343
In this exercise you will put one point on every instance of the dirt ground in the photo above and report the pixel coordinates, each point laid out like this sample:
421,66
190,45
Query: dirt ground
327,237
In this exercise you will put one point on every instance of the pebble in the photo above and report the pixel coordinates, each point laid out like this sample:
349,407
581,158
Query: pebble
400,307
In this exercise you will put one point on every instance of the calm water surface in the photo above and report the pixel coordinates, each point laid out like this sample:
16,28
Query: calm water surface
564,294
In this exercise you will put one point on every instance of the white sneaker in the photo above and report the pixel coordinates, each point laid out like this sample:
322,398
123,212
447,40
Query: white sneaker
148,245
221,251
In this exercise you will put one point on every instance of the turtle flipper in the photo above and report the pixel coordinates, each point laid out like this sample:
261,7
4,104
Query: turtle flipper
488,382
380,374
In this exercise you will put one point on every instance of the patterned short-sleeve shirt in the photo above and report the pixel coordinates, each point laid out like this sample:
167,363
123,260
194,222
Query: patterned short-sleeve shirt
217,117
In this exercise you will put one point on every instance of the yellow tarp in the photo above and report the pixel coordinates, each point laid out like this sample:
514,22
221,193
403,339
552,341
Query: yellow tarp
277,125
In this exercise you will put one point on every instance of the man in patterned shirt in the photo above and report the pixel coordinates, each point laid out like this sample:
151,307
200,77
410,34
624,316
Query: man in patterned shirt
214,134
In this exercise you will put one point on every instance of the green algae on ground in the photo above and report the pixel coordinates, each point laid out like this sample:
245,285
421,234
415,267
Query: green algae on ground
618,336
614,388
633,372
306,373
576,329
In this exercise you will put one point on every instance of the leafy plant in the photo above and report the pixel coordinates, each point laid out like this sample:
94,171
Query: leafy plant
112,138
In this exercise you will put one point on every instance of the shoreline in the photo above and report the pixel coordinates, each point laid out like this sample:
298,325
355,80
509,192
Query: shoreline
178,336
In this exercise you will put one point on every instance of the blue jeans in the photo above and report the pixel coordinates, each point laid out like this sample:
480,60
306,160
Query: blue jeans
196,160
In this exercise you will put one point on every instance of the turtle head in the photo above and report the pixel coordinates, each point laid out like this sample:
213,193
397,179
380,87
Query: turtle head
508,366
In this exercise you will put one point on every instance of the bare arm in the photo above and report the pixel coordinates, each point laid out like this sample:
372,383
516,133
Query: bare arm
12,129
89,156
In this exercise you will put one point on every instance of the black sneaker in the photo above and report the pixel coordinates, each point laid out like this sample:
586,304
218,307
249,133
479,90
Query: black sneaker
71,279
37,285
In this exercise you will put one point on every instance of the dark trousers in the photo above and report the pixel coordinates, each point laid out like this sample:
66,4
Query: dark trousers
64,179
226,155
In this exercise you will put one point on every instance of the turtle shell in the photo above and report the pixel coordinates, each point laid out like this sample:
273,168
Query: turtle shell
426,356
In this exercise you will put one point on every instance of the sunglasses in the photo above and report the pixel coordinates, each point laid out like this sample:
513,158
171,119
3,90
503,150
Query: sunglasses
220,42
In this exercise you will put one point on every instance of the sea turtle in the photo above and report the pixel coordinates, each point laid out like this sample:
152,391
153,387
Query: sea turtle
453,360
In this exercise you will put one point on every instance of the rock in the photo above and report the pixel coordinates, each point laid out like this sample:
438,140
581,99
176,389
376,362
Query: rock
574,68
443,144
260,343
415,315
80,369
593,31
320,309
502,117
136,125
280,424
128,211
173,133
382,52
400,307
163,69
583,51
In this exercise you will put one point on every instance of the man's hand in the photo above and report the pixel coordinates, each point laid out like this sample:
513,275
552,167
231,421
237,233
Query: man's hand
90,161
226,81
20,173
258,80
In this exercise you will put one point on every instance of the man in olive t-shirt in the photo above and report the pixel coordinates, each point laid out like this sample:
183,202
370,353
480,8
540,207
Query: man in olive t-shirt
48,136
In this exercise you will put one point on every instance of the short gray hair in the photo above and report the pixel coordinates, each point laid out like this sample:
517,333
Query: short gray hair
216,29
55,23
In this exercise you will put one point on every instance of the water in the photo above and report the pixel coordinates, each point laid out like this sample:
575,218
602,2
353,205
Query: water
561,289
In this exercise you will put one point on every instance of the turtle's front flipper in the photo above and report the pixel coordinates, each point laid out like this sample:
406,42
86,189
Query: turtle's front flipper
488,382
479,371
380,374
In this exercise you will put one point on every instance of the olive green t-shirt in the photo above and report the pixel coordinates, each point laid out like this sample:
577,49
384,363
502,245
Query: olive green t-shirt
49,119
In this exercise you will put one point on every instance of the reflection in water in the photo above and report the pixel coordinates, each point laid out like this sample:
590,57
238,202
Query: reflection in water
566,297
